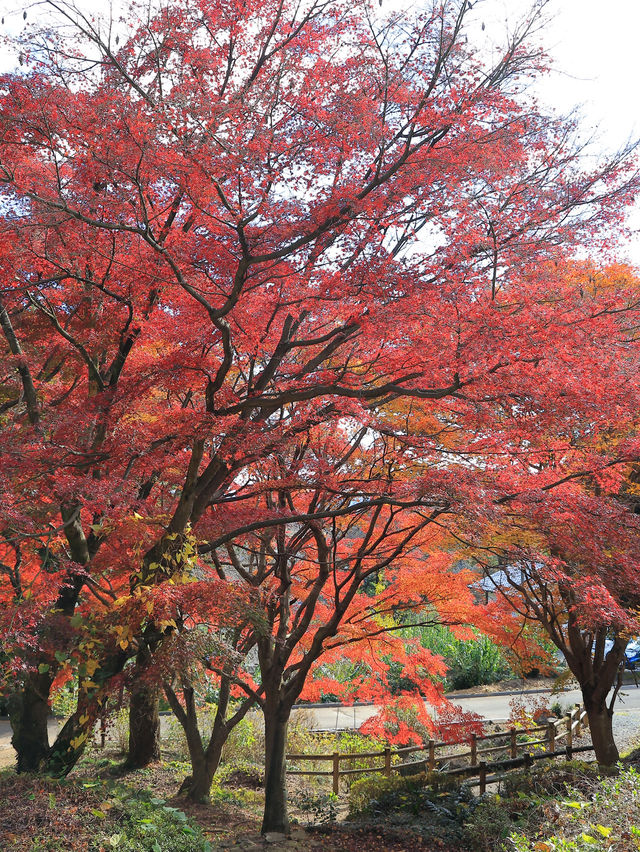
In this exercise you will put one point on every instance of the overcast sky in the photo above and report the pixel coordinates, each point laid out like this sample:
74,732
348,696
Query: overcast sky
594,46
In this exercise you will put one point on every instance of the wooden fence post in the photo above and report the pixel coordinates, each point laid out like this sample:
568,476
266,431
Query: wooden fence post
336,772
569,721
387,761
578,726
551,737
514,745
483,777
432,755
474,749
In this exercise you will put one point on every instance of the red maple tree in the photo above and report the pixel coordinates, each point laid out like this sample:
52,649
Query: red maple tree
243,221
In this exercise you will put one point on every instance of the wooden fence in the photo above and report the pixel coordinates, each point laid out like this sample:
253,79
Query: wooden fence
509,743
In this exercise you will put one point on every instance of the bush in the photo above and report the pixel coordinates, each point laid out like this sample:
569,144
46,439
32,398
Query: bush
476,662
489,825
412,805
48,815
471,662
378,791
560,808
317,808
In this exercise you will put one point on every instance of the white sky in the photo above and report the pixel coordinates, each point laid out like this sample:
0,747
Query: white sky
594,46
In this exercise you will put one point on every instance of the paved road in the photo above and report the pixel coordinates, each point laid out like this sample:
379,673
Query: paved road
494,707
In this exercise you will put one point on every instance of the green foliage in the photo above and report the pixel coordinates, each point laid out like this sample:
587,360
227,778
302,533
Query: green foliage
471,662
303,740
378,791
245,744
65,700
567,807
490,824
94,815
558,708
414,806
149,825
118,725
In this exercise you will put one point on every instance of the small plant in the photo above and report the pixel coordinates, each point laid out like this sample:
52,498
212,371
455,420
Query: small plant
489,825
149,825
245,744
318,808
558,709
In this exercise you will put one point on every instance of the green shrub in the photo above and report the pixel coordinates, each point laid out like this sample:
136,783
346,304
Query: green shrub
471,662
488,826
475,662
565,808
93,815
413,806
377,792
65,700
245,743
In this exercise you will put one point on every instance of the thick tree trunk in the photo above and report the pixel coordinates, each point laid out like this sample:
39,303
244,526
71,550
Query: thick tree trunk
28,715
144,725
275,805
601,728
204,765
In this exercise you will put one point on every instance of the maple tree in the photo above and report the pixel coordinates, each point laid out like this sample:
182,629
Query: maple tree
353,516
226,225
570,560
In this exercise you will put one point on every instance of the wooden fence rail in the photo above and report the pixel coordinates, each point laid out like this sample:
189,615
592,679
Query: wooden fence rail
394,759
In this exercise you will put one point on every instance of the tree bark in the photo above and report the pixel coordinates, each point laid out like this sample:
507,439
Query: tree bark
601,728
28,715
275,805
204,763
144,725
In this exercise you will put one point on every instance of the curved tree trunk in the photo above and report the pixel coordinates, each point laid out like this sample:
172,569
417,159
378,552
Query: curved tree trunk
275,804
28,714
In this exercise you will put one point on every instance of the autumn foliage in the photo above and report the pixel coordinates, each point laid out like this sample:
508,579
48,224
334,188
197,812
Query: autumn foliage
288,323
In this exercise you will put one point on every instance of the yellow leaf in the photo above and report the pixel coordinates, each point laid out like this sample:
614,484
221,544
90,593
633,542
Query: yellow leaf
604,830
91,666
76,742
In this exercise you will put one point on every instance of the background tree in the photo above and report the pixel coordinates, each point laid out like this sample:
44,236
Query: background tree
572,556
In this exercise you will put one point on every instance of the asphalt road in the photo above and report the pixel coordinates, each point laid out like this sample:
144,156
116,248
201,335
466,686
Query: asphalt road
494,707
